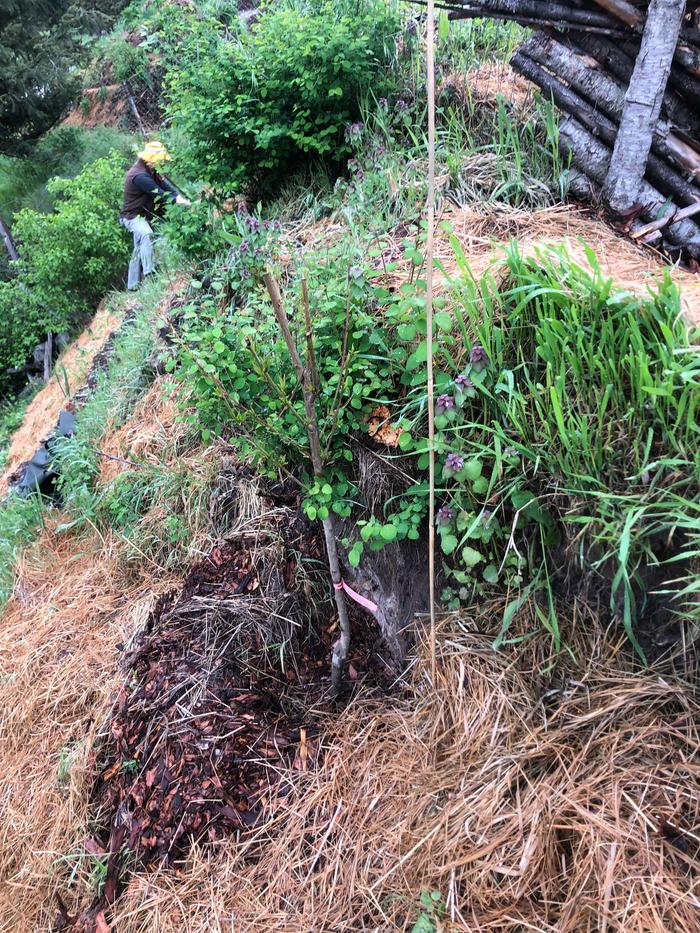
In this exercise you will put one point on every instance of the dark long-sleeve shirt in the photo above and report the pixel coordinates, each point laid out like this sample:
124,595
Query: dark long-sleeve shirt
146,192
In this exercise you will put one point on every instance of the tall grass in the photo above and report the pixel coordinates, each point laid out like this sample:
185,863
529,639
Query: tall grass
598,395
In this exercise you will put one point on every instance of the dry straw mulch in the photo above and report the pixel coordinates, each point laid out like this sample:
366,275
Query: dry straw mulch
150,436
70,371
531,802
59,674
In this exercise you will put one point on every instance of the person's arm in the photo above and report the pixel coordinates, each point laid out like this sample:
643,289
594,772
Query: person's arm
144,182
179,198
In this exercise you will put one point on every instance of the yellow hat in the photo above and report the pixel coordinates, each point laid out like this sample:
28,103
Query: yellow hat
154,153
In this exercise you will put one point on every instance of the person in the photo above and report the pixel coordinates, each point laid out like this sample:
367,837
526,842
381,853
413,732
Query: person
146,195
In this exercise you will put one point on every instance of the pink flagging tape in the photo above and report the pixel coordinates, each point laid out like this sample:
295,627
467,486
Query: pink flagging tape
360,600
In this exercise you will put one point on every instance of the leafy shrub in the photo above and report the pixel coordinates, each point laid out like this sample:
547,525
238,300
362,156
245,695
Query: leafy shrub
69,258
64,151
280,94
565,413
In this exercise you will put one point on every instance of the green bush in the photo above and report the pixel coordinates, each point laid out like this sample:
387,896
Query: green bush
280,94
71,256
566,417
69,259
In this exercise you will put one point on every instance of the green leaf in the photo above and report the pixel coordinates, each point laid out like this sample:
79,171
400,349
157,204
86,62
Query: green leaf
443,320
388,532
490,573
471,556
480,486
443,26
448,542
472,470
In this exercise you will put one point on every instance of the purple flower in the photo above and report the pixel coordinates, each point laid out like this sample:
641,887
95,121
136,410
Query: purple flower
383,103
454,462
412,27
244,247
401,106
445,515
463,382
444,403
353,131
478,357
253,223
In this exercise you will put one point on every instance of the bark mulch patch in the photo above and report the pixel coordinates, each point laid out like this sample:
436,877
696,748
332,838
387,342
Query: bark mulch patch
224,691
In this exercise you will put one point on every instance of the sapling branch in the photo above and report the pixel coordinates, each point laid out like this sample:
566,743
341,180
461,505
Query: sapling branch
310,355
305,376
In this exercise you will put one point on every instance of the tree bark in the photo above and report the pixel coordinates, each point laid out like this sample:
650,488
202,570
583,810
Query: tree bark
643,104
48,356
623,11
660,173
620,64
605,93
592,157
306,378
8,241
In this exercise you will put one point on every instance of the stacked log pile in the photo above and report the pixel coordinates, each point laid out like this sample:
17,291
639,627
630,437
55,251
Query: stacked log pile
627,75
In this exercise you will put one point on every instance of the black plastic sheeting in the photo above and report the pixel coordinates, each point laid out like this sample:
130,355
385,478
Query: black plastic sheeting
38,474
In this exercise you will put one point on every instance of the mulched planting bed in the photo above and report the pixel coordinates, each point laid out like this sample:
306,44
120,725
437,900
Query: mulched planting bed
215,705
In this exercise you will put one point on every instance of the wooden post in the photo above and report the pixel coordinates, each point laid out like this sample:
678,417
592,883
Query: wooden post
8,241
48,356
643,104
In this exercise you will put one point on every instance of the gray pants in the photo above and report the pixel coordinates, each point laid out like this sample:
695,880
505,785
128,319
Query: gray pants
142,260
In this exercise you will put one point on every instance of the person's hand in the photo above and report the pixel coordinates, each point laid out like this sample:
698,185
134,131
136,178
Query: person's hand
180,200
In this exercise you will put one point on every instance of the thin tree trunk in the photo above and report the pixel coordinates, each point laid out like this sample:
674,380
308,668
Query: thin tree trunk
48,356
643,104
8,241
306,378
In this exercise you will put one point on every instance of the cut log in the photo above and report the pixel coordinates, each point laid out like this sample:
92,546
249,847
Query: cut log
664,176
533,13
605,93
623,11
614,59
592,157
643,103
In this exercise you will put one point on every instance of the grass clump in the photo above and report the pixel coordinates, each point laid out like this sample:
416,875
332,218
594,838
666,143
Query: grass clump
566,415
568,440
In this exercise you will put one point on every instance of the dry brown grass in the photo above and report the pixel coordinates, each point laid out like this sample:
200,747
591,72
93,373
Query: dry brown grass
59,672
106,106
152,431
69,373
486,83
531,802
482,231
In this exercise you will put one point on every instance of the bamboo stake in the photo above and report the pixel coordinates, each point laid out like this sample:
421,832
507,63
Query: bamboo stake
429,323
306,379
